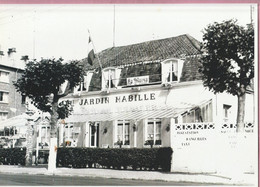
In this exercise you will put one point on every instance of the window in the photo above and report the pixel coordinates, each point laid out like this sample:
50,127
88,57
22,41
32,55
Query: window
71,135
153,132
199,114
23,99
226,112
122,132
1,96
3,116
4,97
110,78
170,71
4,76
68,131
207,114
84,86
45,135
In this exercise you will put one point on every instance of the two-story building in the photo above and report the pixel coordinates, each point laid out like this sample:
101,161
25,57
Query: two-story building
140,95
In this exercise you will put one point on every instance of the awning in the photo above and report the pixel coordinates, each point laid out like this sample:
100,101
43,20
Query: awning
134,113
17,121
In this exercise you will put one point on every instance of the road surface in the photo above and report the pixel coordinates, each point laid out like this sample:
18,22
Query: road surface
46,180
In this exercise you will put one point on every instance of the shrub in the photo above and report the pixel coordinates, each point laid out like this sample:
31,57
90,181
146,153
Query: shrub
12,156
135,158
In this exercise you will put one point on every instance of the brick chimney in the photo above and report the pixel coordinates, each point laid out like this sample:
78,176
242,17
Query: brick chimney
11,53
25,58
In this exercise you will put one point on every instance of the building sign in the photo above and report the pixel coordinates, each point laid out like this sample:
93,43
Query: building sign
131,81
118,99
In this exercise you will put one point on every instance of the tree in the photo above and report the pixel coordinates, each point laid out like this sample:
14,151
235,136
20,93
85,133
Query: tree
228,61
41,82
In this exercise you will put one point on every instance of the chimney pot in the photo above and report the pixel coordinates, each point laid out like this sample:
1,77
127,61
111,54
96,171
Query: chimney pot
11,50
25,57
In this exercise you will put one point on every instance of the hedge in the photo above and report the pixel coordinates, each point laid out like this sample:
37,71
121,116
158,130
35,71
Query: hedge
133,158
12,156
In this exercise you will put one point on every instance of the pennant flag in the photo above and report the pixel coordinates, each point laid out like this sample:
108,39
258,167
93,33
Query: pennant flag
91,54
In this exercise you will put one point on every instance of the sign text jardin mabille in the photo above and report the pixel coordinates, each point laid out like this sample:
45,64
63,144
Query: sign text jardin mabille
118,99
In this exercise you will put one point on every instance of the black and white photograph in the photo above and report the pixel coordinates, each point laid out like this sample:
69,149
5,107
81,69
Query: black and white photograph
129,94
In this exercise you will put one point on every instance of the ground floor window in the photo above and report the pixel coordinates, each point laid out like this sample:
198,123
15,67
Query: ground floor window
153,132
71,135
45,135
226,112
122,132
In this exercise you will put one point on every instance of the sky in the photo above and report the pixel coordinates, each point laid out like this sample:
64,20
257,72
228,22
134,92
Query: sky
53,31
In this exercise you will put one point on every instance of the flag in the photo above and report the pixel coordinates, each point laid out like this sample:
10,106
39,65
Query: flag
91,54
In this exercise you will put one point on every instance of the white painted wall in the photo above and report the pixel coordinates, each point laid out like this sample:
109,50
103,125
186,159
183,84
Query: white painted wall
217,150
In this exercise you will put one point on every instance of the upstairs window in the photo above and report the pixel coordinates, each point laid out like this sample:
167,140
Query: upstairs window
84,86
4,76
3,97
3,116
110,78
171,70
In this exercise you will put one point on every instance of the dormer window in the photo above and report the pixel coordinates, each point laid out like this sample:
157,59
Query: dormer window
171,70
110,78
84,86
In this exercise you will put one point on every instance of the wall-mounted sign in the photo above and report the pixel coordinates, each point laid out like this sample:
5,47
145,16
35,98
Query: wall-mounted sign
131,81
118,99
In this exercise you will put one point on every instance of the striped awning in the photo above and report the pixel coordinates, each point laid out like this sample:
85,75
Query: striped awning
133,113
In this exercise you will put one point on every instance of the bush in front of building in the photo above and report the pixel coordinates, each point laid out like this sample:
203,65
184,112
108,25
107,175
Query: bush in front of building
12,156
116,158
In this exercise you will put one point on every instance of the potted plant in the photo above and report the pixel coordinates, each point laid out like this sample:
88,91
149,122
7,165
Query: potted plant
120,143
149,142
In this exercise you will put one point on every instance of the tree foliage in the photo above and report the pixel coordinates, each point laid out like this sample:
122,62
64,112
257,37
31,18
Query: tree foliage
41,82
228,62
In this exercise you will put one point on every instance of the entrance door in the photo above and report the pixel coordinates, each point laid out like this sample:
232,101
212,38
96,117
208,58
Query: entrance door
94,134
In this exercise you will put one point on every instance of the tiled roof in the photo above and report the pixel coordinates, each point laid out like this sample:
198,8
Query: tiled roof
190,70
156,50
153,52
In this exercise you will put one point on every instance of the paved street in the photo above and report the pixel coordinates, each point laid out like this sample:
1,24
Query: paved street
41,180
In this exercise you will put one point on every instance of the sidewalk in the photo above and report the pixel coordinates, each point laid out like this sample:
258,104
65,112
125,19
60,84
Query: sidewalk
245,179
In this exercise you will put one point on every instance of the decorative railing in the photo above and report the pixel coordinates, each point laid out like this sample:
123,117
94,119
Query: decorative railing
249,127
209,125
194,126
